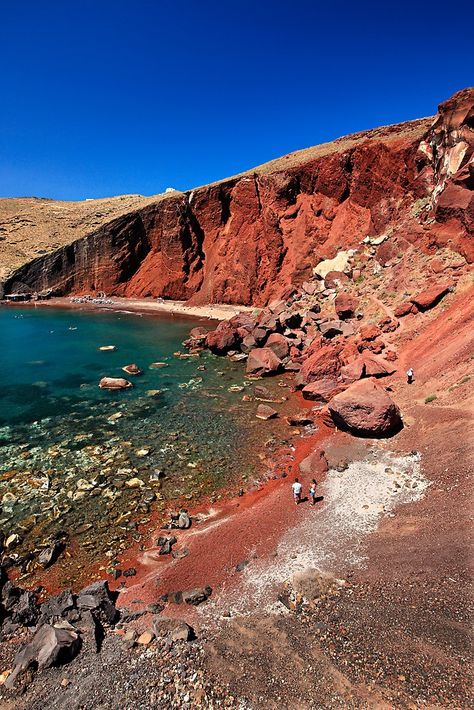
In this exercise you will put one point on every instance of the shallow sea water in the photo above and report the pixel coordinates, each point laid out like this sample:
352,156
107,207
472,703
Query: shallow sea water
83,463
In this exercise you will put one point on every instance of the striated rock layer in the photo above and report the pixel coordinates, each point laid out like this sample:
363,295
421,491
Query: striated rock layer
246,239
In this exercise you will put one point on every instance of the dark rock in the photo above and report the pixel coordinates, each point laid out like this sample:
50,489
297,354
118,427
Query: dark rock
242,565
57,606
49,556
50,646
173,630
197,596
130,572
167,545
98,598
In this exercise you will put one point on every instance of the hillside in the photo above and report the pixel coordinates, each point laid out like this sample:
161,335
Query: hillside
246,238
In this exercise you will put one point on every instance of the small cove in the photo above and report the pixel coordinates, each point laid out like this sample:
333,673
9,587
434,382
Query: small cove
81,463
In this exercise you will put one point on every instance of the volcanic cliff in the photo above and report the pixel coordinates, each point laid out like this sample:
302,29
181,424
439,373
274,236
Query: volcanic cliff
246,239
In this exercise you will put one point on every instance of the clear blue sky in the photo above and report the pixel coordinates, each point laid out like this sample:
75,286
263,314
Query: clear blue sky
105,97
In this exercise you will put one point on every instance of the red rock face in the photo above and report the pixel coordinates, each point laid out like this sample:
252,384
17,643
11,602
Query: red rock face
247,239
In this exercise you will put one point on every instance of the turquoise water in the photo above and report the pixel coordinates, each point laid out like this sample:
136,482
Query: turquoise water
83,460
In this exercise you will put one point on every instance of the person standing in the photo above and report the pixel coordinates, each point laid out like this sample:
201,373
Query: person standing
297,489
410,375
312,491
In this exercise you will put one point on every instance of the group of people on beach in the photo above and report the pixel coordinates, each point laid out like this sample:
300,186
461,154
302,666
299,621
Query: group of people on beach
297,487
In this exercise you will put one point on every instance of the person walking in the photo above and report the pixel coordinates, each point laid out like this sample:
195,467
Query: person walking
410,375
297,489
312,491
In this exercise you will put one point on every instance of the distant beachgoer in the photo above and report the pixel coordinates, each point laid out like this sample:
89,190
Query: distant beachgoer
410,375
297,488
312,492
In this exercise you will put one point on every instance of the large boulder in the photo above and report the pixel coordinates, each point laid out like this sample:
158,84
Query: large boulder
50,646
364,408
263,361
430,297
279,344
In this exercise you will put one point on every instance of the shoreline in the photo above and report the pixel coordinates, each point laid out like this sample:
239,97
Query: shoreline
141,306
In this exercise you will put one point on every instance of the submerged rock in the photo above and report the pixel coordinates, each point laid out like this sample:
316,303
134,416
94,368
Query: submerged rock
265,412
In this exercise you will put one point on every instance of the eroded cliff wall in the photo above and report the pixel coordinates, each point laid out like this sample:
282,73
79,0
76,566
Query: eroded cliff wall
244,240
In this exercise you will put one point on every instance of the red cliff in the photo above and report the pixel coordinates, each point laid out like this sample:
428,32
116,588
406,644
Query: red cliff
246,239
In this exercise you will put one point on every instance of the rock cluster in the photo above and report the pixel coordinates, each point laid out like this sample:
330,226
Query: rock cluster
318,333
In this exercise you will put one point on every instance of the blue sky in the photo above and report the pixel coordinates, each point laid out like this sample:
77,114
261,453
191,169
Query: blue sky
109,97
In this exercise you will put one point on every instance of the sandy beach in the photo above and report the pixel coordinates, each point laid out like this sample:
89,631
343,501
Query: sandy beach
213,311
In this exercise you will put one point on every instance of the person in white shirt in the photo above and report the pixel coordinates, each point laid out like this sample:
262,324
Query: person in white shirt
410,375
297,489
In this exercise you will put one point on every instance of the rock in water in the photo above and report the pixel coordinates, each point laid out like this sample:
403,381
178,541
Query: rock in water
114,383
364,408
132,369
264,412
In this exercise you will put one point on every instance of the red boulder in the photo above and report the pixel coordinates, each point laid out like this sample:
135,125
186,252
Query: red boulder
321,390
365,409
345,305
223,339
403,309
263,361
323,363
279,344
430,297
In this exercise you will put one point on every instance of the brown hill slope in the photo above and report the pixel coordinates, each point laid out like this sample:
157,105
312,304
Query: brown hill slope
244,239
